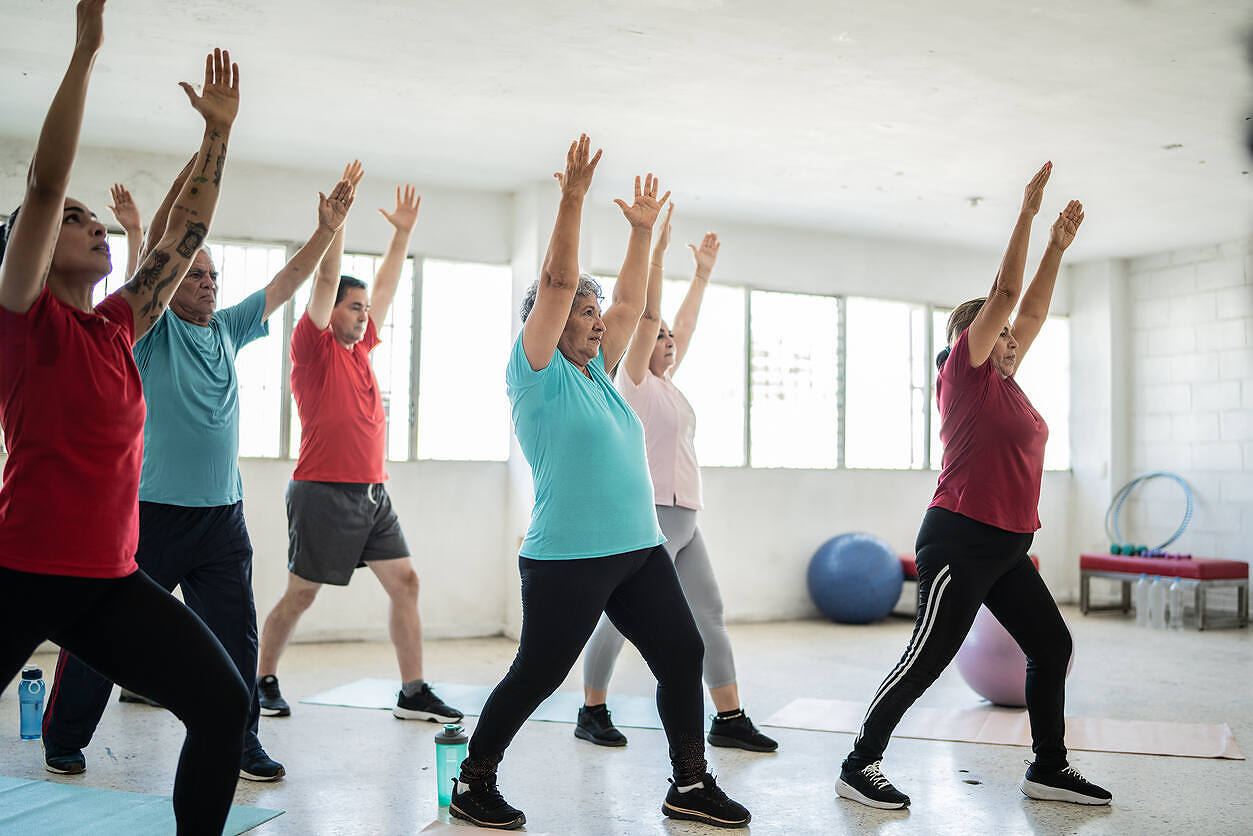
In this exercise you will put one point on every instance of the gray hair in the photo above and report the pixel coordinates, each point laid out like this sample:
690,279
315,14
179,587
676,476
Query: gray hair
587,287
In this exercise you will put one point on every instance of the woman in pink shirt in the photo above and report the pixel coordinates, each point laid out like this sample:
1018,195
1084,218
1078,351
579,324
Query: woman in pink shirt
644,379
972,546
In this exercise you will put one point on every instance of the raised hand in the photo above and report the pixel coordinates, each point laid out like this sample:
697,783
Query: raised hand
333,210
580,166
405,215
1034,193
663,237
353,172
90,32
643,212
218,101
124,209
1066,225
706,254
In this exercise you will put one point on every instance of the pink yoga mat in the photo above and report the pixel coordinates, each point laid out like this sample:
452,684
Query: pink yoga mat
1009,727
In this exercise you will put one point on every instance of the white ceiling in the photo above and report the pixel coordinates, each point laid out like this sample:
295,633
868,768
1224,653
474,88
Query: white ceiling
885,118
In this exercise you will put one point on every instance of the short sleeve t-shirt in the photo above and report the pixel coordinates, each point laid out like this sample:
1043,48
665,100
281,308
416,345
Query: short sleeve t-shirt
72,408
191,437
669,435
993,445
343,429
593,494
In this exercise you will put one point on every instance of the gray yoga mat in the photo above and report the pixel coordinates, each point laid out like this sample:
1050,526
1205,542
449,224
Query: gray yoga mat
44,808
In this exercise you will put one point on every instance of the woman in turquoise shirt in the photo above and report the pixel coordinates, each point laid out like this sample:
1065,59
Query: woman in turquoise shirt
594,544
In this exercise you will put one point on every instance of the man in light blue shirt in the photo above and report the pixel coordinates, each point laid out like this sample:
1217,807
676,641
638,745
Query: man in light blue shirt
191,520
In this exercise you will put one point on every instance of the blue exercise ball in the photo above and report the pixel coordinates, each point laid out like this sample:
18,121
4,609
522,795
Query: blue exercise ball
855,578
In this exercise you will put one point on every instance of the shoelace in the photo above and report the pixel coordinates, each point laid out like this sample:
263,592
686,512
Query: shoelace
1074,773
876,778
491,797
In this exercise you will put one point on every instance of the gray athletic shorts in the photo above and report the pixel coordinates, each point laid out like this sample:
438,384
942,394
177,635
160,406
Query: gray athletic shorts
334,528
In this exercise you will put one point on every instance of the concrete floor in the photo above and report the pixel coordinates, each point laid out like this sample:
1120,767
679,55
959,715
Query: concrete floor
357,771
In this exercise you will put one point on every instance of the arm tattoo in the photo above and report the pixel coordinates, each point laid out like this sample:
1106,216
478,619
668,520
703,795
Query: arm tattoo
217,175
147,275
192,239
155,305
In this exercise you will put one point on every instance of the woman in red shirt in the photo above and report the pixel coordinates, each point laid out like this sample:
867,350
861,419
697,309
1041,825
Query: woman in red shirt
72,410
972,546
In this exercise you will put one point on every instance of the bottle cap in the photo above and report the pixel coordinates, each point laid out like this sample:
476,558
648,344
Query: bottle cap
32,673
451,733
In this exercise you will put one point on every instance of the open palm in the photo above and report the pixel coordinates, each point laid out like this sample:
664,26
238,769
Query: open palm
218,101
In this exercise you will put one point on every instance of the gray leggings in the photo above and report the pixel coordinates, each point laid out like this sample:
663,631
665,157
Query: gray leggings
686,548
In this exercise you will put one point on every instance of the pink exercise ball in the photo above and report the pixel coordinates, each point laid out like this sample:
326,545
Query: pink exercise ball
993,664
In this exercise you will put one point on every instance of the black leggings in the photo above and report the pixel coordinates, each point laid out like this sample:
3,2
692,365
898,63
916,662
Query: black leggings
138,635
561,602
962,564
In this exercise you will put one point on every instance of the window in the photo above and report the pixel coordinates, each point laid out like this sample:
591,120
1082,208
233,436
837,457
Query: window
1044,377
939,340
117,276
795,379
463,411
886,384
391,359
712,374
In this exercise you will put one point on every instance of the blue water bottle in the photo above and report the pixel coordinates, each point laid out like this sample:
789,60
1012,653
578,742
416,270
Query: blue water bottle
450,750
30,695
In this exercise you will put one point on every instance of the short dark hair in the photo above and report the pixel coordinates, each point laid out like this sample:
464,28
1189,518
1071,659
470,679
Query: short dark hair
7,230
347,283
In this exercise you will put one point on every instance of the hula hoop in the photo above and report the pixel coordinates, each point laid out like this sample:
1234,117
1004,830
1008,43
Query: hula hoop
1112,530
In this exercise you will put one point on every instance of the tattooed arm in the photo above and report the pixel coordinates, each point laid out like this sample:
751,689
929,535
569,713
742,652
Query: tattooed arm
164,265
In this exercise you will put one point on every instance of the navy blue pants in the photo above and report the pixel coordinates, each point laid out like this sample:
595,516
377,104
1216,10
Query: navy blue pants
206,551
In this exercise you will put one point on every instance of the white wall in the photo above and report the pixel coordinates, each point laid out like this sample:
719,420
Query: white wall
1191,370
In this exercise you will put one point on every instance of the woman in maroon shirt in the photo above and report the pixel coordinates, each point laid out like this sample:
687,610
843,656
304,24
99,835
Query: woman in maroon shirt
972,546
72,410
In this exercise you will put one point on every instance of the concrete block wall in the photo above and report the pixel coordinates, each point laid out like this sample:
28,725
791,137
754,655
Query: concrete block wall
1191,411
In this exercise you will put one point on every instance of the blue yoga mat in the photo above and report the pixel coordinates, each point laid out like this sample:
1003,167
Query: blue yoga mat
42,808
562,707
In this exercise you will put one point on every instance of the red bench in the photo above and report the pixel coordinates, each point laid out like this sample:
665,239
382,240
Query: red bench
1201,574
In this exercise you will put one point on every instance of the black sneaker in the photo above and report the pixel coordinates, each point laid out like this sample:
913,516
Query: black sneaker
64,761
1062,785
740,733
131,696
707,803
424,705
271,698
596,725
869,786
256,765
483,805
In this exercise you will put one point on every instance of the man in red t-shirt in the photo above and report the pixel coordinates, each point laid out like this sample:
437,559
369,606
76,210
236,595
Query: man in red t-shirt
339,516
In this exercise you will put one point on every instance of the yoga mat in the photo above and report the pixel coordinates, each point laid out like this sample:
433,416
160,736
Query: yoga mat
438,826
562,707
42,808
1009,727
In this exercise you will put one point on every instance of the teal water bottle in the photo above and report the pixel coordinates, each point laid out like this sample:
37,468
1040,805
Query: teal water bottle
451,746
30,697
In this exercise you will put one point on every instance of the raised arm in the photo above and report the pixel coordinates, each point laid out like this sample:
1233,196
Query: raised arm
326,284
991,319
164,266
559,277
624,312
402,219
645,337
127,213
28,246
160,220
331,214
685,320
1035,302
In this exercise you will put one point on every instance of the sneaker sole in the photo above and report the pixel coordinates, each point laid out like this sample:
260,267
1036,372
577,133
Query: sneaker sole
275,712
409,714
844,790
583,734
74,770
1043,792
695,815
252,776
513,825
735,743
